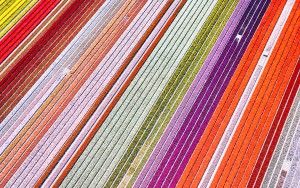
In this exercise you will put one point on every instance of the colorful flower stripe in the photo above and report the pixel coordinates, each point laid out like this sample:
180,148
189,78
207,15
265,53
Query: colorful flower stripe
284,151
18,33
29,68
11,12
217,125
140,93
